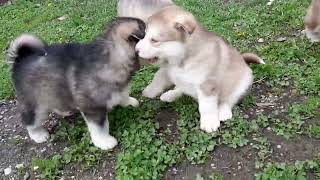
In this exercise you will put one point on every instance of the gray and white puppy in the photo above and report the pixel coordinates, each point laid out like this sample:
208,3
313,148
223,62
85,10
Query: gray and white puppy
141,9
63,78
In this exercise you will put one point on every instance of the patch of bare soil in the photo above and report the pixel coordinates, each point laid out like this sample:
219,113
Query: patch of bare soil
239,164
288,151
167,120
232,163
17,148
105,169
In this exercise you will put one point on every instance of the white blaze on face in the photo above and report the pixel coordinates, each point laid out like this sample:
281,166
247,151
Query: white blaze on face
153,46
147,48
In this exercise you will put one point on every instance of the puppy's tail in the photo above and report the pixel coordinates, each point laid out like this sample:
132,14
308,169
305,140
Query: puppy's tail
23,46
251,58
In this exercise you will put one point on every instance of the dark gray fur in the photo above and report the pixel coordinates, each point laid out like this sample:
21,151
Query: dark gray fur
69,77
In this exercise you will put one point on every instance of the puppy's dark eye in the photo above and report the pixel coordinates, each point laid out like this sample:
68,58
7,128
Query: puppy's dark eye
154,41
133,38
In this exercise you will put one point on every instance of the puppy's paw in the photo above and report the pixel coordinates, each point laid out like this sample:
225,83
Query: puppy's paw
149,92
225,113
311,35
209,124
39,135
105,143
168,96
64,113
133,102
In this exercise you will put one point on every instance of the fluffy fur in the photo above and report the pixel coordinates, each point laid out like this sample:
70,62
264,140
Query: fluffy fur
63,78
198,62
141,9
312,21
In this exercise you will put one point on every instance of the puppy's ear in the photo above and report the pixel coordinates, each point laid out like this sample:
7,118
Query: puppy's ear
134,38
126,29
185,23
134,30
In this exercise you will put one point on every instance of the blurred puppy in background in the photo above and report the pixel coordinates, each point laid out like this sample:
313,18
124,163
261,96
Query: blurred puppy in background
141,9
312,21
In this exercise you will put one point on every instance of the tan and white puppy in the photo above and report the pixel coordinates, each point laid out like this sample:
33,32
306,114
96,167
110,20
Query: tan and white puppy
141,9
198,62
312,21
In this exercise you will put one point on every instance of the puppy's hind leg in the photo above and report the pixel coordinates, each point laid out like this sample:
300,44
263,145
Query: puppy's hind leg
226,104
33,119
98,126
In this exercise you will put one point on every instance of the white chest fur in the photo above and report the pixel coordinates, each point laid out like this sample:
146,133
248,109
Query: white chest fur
187,78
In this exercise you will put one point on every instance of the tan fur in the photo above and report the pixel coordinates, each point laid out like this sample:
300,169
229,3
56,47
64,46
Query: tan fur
252,58
312,21
312,18
198,62
209,87
205,48
141,9
178,23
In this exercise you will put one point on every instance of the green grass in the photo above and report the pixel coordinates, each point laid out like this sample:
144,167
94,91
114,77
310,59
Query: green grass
296,117
213,176
85,19
313,131
282,171
144,153
49,168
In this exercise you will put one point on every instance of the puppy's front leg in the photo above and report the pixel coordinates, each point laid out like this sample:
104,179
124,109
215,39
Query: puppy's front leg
130,101
159,83
127,100
208,108
98,125
171,95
